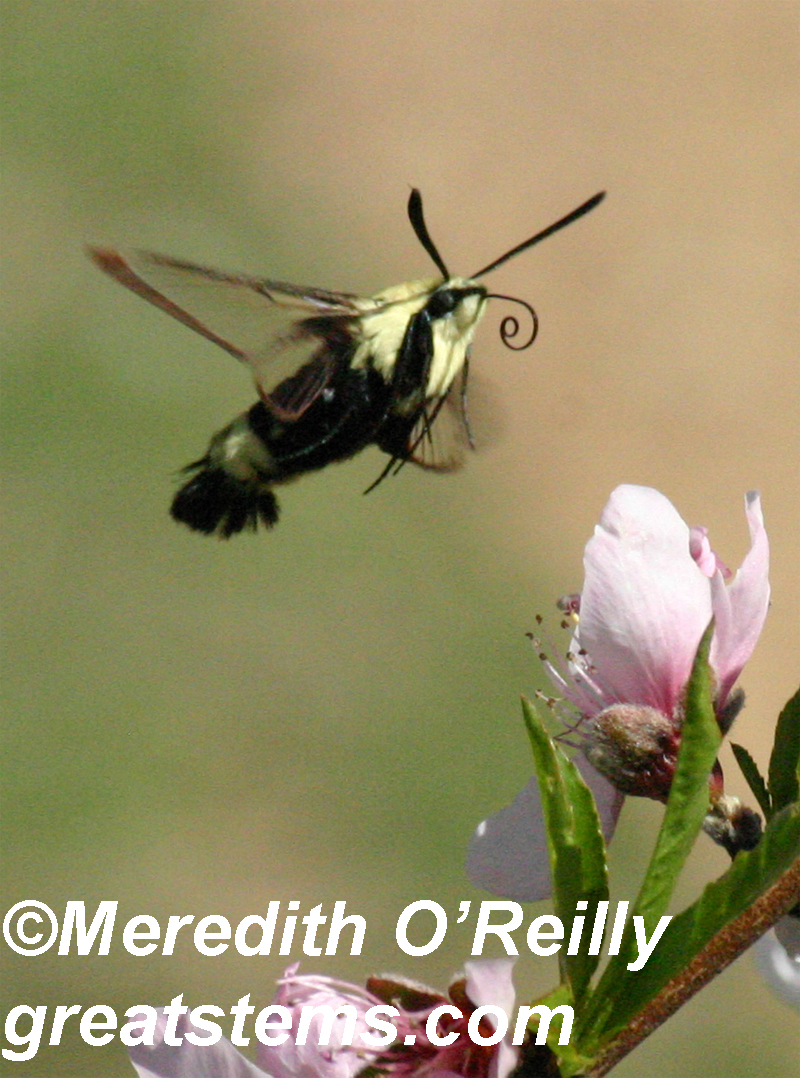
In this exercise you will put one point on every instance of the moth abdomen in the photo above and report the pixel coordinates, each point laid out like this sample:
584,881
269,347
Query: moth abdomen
215,502
230,488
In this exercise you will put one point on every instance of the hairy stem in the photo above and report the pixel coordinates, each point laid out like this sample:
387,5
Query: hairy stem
719,952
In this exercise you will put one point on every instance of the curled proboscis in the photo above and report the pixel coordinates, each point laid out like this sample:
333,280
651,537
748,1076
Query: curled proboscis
510,326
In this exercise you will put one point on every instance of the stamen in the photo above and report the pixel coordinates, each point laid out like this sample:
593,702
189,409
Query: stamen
572,673
570,604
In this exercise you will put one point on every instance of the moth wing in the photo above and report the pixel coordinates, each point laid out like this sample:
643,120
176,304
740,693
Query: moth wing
281,331
441,437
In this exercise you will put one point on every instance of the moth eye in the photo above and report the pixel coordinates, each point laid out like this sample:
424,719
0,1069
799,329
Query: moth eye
328,394
443,302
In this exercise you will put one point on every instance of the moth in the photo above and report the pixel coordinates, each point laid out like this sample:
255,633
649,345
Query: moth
335,372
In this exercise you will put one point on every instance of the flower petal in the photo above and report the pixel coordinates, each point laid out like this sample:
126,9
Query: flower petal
778,968
312,1059
645,602
220,1060
508,852
787,931
506,1059
741,608
489,983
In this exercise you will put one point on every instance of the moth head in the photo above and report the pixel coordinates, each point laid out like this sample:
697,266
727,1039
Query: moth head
458,299
465,295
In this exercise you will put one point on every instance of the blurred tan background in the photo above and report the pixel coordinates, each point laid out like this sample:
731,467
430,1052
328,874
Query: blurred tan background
325,712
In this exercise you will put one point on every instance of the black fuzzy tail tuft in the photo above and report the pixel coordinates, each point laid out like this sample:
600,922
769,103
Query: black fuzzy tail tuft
215,503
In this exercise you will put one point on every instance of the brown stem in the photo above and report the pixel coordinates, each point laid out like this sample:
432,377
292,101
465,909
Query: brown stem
719,952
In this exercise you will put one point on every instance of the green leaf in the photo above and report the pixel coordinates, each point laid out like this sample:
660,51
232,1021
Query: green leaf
784,763
750,874
686,809
749,769
687,806
575,844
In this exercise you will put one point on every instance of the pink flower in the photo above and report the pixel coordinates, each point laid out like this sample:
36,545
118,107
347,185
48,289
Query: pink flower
411,1054
651,587
312,1059
187,1060
487,982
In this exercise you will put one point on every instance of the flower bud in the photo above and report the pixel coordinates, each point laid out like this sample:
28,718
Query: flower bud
733,825
636,748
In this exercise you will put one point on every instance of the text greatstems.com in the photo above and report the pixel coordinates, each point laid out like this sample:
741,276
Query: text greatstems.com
31,928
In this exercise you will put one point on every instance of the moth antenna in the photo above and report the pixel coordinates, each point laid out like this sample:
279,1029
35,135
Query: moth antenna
417,220
509,327
562,222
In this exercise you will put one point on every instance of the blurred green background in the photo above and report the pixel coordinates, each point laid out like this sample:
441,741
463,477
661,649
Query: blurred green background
326,712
